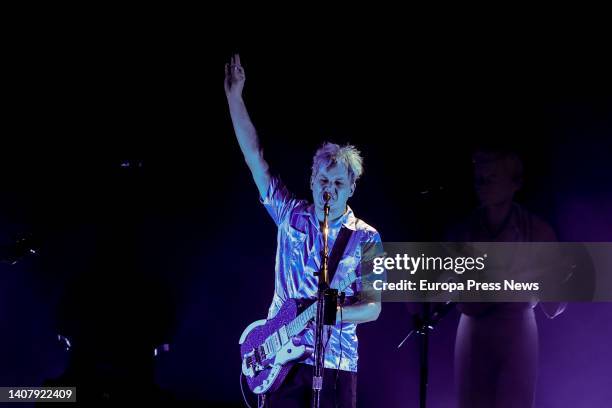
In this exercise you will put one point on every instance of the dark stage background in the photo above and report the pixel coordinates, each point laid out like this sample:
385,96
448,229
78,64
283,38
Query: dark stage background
120,159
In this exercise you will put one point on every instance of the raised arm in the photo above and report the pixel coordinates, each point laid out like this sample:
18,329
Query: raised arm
243,127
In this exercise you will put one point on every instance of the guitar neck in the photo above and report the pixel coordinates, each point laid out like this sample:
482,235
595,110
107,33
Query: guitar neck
298,324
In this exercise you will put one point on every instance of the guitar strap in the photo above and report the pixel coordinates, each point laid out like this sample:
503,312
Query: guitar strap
338,249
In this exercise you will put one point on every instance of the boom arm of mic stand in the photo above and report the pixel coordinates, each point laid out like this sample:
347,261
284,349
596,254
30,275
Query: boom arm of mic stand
422,325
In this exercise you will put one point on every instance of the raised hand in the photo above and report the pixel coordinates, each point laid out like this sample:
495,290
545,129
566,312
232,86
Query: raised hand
234,78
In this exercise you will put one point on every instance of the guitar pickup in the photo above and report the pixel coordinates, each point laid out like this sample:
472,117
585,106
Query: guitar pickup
284,337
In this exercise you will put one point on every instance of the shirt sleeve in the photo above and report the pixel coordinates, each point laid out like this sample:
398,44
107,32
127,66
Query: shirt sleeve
278,201
369,269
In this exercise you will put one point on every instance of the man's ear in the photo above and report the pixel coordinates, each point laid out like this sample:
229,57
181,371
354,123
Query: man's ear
353,186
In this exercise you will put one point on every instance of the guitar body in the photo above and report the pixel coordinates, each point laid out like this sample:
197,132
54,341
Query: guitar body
268,351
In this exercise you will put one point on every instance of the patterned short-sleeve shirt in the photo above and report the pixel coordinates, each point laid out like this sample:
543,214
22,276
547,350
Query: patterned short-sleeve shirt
298,258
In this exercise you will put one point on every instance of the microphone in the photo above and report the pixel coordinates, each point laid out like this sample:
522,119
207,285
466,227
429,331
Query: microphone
326,198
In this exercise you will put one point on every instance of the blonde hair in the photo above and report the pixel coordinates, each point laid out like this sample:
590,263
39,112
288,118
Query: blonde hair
330,154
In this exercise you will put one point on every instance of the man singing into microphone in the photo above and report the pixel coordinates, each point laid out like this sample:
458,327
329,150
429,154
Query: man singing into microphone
335,170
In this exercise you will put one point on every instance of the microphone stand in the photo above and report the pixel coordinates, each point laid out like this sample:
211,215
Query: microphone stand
424,359
423,325
327,301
